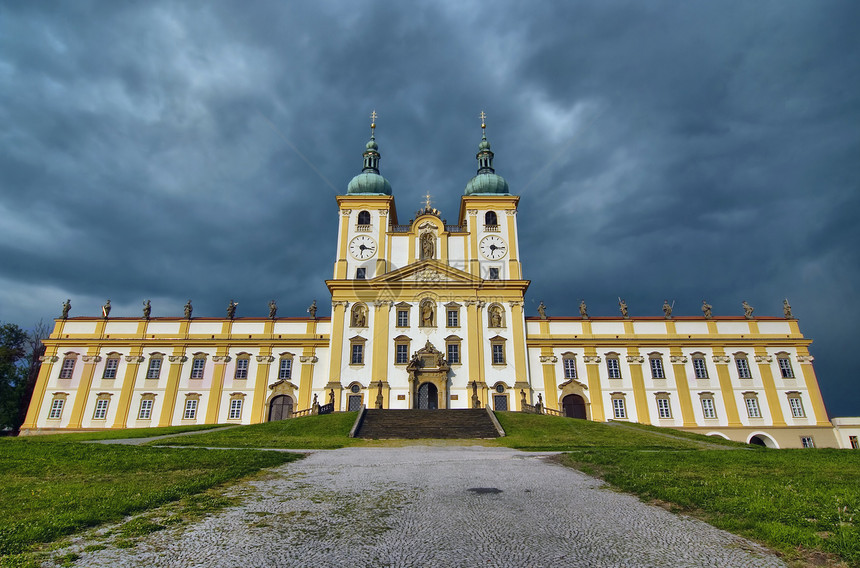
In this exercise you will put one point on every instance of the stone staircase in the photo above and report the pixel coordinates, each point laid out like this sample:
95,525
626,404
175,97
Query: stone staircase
412,424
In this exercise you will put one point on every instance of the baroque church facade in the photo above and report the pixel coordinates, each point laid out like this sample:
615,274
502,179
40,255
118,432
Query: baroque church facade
428,314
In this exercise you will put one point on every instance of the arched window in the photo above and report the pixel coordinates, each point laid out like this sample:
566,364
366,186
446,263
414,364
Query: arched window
153,371
364,218
491,219
111,366
243,362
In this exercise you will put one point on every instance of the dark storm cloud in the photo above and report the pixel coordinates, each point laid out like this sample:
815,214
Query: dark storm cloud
684,150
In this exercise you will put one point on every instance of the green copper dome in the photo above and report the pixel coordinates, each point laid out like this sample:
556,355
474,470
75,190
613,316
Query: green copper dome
369,182
487,181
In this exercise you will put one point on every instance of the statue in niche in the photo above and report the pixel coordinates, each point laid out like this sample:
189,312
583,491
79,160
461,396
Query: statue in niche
428,246
786,309
359,317
748,310
706,309
331,397
312,309
495,317
273,309
188,309
583,309
147,309
106,310
622,305
667,309
427,314
67,305
542,310
231,309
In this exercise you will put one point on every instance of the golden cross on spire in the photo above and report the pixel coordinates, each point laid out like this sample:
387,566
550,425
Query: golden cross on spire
427,200
373,117
483,122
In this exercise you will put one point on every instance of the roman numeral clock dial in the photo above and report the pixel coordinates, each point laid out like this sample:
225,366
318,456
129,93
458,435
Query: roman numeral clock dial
493,247
362,247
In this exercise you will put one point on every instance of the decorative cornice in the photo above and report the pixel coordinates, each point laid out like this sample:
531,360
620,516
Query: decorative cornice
93,358
265,358
222,358
591,359
49,358
481,304
764,358
337,303
308,359
805,358
346,212
721,359
471,211
134,359
383,212
548,359
635,359
383,303
515,303
678,358
511,212
179,358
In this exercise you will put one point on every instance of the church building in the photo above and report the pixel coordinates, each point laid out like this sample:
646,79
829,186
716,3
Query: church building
429,314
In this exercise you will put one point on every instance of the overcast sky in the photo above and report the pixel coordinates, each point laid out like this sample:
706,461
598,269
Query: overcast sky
681,150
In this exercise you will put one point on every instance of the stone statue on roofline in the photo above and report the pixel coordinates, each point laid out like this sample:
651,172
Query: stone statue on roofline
542,310
706,309
786,309
667,309
106,310
583,309
147,309
273,309
188,309
748,310
67,305
312,309
622,306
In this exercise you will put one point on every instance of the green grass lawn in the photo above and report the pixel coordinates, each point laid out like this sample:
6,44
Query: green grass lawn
328,431
51,489
118,434
785,498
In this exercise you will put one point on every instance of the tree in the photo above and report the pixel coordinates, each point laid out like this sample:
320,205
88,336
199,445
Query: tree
14,370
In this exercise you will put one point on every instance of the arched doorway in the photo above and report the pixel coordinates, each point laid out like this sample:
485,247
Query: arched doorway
428,397
574,406
762,439
756,441
280,408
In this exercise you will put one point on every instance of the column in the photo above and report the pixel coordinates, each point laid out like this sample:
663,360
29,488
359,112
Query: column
721,360
381,341
306,380
679,367
337,323
171,389
764,360
805,360
258,403
133,361
213,405
518,324
640,397
592,370
48,359
83,391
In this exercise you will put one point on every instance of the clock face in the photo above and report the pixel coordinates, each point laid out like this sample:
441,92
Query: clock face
493,247
362,247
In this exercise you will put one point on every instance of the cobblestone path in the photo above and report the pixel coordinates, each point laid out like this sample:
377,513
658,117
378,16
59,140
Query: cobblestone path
437,506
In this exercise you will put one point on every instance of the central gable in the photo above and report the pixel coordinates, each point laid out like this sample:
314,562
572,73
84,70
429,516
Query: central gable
428,272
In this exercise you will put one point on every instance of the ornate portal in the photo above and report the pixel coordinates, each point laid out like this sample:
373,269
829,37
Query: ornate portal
428,376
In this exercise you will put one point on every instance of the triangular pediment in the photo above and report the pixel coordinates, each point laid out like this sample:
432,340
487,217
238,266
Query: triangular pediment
428,272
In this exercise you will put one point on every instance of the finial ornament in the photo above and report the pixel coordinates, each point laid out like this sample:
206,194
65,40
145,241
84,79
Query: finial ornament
373,117
483,124
427,200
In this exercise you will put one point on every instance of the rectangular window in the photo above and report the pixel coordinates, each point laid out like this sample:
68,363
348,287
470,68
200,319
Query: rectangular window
569,367
190,409
236,409
111,366
453,353
145,412
785,368
663,408
743,368
401,353
796,407
242,368
402,318
699,368
618,409
807,442
360,273
494,274
657,369
752,408
286,368
453,318
56,408
101,409
197,367
855,445
498,354
708,408
68,368
154,369
500,402
357,354
612,368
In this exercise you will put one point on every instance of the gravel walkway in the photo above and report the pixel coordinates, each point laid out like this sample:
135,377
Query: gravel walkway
437,506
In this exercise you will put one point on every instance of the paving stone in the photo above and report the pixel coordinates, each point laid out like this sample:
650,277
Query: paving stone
438,506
